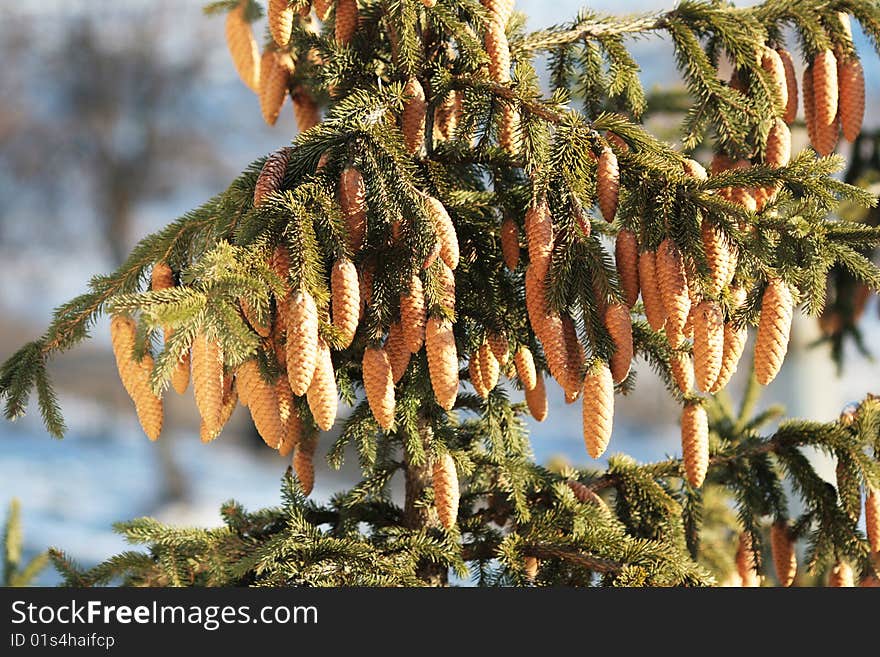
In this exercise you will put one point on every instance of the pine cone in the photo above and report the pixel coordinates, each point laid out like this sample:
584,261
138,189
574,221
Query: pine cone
280,22
162,278
243,47
598,409
682,371
539,237
745,561
778,153
379,385
412,119
508,130
791,105
476,376
851,78
619,325
304,464
322,395
608,183
412,315
499,53
672,280
500,347
695,443
345,295
445,481
784,557
305,109
442,361
525,367
841,576
291,423
772,63
695,170
654,310
574,359
346,20
135,375
734,345
489,368
445,231
717,256
586,495
230,401
262,402
275,71
872,519
626,255
446,116
536,303
555,351
825,102
272,174
322,8
510,243
398,353
446,285
180,375
302,342
536,398
810,105
353,199
708,343
207,375
777,309
530,568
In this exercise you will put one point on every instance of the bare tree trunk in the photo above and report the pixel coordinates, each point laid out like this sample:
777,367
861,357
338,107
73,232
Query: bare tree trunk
417,514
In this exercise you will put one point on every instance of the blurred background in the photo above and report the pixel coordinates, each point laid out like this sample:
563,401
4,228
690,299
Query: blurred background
116,117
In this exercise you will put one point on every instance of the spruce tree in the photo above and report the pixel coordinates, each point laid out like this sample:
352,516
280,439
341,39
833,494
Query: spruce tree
443,235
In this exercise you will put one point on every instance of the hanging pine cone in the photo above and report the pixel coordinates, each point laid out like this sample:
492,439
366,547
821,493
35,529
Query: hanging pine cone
510,243
708,343
745,561
619,325
777,310
262,402
784,557
574,359
682,371
536,303
778,152
243,47
654,310
672,280
499,52
608,183
304,464
345,295
734,344
379,385
825,102
346,20
322,395
508,130
398,354
291,423
810,106
305,109
695,170
445,231
556,353
446,116
162,278
500,347
412,120
275,71
695,443
841,576
791,86
302,341
230,401
539,238
536,399
135,375
851,78
180,375
626,255
280,22
773,64
476,376
525,367
322,8
872,519
489,367
442,361
353,199
598,409
445,482
717,256
446,285
207,375
530,568
412,315
272,174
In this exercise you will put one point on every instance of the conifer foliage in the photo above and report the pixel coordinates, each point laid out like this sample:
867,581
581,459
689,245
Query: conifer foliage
440,222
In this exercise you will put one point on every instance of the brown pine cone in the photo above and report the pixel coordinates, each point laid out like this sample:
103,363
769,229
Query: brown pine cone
243,47
346,20
784,557
608,183
773,64
695,170
654,310
275,71
207,375
445,482
695,443
851,78
525,367
717,256
230,401
305,109
322,395
626,255
586,495
598,409
536,303
476,376
379,385
445,231
322,8
446,116
135,375
345,296
302,341
291,423
262,402
280,22
412,119
574,359
672,279
745,561
619,325
499,53
539,238
353,199
734,345
810,105
445,285
825,102
536,398
500,347
162,278
489,367
778,152
442,361
272,174
682,371
508,130
841,576
872,519
777,310
555,351
180,375
398,354
791,105
510,243
304,463
530,568
708,343
412,315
